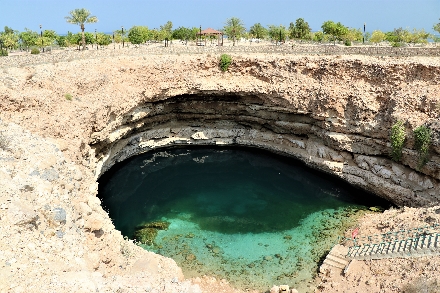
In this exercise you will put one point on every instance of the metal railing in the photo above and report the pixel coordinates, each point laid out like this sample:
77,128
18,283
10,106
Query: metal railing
403,243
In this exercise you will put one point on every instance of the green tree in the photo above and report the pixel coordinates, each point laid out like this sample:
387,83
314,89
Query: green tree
416,36
194,32
71,39
436,27
158,35
185,34
103,39
258,31
181,33
28,38
167,30
353,34
50,34
318,36
300,30
62,41
78,38
367,36
234,28
44,41
119,36
336,30
10,40
377,36
396,36
278,33
8,30
146,33
136,35
80,17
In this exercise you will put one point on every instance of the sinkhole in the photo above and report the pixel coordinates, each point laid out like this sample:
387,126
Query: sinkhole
246,215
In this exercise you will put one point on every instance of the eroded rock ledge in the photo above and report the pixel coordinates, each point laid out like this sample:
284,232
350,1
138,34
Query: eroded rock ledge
333,113
253,120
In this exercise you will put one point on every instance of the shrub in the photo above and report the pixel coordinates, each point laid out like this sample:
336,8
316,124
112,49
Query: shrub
35,51
397,138
68,97
347,43
3,52
396,44
422,136
225,61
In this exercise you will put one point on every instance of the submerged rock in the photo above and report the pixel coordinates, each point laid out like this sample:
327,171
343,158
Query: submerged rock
146,233
216,250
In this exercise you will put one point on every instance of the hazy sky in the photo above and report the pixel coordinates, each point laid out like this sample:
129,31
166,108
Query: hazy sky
112,14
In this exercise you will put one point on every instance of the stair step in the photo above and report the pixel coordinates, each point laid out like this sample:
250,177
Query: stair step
334,264
337,259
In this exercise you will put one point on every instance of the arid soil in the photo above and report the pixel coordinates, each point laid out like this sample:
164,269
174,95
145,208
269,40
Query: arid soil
62,123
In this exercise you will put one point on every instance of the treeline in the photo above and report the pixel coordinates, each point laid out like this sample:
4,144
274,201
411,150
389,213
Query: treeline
234,29
12,39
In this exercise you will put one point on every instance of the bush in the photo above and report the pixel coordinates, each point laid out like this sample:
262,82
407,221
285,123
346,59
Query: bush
396,44
3,52
397,139
225,61
35,51
422,136
347,43
68,97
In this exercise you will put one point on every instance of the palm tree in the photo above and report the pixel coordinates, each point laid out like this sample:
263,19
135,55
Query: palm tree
79,17
234,28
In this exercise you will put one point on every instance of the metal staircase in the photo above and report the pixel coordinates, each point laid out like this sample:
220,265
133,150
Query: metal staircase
414,242
427,244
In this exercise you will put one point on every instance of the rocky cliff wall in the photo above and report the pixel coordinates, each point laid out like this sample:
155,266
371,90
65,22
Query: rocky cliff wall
65,123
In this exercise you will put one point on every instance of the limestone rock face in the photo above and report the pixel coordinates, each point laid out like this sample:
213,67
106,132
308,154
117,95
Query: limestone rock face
333,113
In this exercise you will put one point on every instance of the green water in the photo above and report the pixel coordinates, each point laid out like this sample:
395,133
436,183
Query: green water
251,217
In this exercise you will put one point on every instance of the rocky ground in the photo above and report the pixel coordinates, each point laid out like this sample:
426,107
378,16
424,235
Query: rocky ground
56,237
418,274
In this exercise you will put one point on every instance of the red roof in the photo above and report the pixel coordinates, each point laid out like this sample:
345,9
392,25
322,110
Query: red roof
210,31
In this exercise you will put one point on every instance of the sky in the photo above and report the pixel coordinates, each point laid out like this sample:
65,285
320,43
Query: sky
384,15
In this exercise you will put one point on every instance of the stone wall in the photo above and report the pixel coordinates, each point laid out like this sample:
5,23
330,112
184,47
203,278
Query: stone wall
70,55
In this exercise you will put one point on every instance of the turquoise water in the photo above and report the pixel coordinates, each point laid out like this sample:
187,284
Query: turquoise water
251,217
